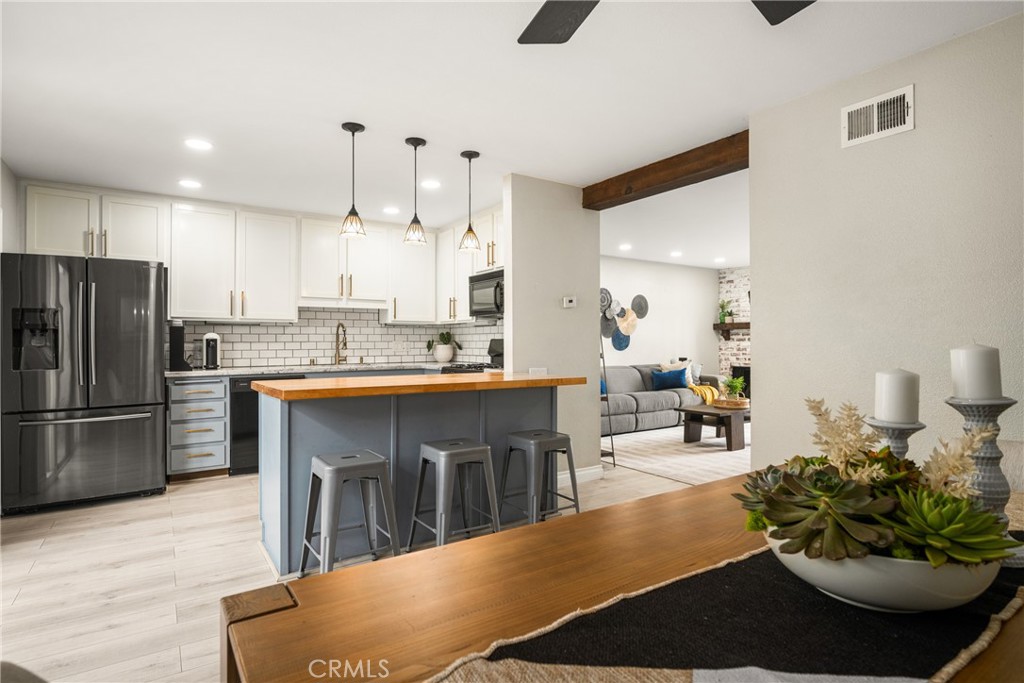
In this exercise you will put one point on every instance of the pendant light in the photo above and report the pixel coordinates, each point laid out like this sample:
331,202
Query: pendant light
470,242
414,233
352,226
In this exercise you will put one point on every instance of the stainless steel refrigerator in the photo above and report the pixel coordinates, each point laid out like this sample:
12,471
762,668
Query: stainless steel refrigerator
81,384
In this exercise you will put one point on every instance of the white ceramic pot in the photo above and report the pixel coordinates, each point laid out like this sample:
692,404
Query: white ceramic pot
887,584
443,352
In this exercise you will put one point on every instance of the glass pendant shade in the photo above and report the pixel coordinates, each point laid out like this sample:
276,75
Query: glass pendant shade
352,226
469,242
414,234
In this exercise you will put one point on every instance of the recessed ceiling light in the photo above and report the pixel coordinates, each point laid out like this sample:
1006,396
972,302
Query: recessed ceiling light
625,247
190,184
391,210
430,184
676,254
198,145
719,259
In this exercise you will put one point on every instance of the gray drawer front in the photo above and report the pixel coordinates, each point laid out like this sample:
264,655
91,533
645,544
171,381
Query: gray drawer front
197,410
197,392
197,432
198,458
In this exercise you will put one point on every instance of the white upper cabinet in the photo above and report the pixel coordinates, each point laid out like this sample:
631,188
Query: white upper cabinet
411,283
72,223
344,271
266,267
61,222
453,270
133,228
203,262
489,227
368,265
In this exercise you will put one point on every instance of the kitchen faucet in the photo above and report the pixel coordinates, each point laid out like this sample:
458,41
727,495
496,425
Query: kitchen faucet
340,343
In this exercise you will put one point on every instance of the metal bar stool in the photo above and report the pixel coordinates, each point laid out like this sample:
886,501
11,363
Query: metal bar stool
326,479
537,447
451,456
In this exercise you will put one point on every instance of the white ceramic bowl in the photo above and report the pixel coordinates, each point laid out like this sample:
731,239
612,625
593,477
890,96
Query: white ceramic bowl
891,585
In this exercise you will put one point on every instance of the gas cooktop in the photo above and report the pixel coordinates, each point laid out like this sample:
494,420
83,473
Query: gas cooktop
468,367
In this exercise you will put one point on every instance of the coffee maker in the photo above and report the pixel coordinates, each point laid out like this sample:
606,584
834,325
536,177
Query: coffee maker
211,351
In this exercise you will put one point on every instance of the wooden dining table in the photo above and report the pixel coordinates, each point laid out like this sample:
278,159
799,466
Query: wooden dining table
412,616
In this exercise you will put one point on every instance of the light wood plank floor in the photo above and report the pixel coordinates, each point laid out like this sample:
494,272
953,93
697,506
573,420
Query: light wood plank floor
128,590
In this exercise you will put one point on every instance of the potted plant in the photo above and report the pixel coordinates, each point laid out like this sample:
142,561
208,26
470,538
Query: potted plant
869,528
734,386
730,316
723,310
444,348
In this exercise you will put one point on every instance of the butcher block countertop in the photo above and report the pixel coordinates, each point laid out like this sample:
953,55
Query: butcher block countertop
344,387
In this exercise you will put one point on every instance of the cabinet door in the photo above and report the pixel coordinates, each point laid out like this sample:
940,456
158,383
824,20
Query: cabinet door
203,262
368,265
133,228
411,282
498,238
322,260
61,222
266,266
445,264
484,226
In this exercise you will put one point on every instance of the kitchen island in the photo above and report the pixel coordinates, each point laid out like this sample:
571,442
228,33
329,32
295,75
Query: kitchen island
391,415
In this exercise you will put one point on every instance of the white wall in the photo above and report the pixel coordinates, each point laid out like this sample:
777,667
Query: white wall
683,307
553,251
12,237
892,252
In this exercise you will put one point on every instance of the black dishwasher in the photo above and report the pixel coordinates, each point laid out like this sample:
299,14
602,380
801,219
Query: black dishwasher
245,423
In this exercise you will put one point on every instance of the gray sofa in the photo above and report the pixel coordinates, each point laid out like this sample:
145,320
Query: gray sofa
633,405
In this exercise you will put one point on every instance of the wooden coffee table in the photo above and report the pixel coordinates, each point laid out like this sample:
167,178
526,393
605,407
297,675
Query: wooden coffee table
729,420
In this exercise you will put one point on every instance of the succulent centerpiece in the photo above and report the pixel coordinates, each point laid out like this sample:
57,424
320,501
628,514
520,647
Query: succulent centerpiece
857,502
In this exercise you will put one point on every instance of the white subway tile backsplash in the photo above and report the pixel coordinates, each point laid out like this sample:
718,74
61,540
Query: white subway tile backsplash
312,336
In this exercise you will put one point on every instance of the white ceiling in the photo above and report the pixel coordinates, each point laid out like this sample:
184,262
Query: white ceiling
104,94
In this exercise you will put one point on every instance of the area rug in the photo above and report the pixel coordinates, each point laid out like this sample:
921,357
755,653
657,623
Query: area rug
663,452
746,620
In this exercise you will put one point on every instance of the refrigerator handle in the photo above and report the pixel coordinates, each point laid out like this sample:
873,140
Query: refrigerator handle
92,332
82,420
80,334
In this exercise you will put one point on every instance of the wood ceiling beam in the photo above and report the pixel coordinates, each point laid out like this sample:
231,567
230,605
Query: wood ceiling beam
714,159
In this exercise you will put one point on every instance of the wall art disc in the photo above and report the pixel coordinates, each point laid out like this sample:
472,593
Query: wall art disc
608,327
627,323
639,305
606,299
613,309
620,342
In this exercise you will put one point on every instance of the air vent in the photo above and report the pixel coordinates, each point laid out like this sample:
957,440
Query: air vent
878,117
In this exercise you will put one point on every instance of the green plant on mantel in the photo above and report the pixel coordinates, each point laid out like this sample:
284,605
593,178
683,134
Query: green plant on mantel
443,338
734,385
723,310
856,499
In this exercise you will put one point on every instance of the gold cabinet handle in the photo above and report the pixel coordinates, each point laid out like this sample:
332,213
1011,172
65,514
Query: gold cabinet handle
243,303
394,308
104,242
200,410
488,254
200,455
199,391
455,308
341,285
350,289
199,431
231,298
92,242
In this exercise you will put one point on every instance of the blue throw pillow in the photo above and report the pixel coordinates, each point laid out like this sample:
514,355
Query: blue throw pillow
673,379
604,387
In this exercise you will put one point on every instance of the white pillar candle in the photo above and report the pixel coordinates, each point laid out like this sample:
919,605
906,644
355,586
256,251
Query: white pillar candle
897,394
976,372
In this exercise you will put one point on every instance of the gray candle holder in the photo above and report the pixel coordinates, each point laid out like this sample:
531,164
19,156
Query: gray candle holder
993,488
895,434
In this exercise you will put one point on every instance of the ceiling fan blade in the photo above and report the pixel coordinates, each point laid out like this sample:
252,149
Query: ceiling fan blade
777,11
556,21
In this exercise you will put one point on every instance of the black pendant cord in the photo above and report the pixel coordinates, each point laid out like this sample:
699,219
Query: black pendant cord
470,212
415,180
353,169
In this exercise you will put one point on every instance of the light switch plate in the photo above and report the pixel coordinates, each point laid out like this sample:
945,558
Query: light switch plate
568,302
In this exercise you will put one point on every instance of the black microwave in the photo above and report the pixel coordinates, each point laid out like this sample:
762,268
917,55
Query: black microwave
487,294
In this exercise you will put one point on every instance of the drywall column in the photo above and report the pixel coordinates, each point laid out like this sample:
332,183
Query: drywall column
889,253
553,251
12,236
